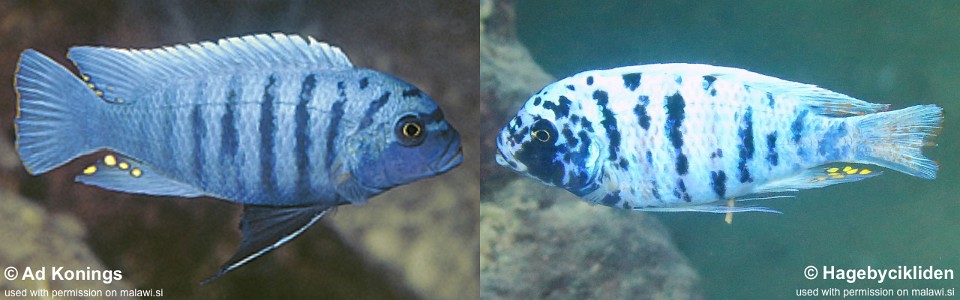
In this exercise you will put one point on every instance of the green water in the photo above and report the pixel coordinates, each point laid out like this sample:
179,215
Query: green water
898,52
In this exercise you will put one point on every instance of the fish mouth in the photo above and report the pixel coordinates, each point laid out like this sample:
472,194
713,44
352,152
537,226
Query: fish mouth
449,159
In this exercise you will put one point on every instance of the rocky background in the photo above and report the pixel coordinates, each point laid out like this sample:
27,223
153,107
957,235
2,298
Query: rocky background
540,242
417,241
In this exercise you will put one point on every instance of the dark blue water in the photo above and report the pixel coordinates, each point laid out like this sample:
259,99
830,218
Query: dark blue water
898,52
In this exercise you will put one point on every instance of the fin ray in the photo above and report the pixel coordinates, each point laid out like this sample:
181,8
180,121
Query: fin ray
53,105
122,74
267,228
121,173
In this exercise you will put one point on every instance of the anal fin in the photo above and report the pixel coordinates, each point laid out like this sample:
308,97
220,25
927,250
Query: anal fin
266,228
816,178
121,173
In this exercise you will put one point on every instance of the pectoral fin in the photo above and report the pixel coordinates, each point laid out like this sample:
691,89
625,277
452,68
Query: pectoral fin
266,228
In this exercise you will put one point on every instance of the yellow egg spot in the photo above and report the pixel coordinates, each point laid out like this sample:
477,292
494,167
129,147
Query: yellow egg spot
865,172
110,160
852,171
119,100
136,172
91,86
90,170
836,176
833,170
85,77
99,93
124,165
847,168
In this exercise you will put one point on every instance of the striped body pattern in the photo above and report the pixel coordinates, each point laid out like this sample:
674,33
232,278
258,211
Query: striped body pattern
284,125
677,137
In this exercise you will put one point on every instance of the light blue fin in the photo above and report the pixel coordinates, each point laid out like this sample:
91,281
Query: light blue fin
266,228
121,75
894,139
54,108
816,178
120,173
818,100
710,209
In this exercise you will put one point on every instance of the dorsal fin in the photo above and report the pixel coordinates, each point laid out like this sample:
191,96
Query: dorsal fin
820,101
118,74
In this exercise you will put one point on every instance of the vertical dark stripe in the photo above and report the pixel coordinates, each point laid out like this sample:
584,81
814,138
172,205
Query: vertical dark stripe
797,127
718,180
772,155
609,123
374,107
675,115
267,134
199,134
302,148
746,145
336,113
229,139
641,111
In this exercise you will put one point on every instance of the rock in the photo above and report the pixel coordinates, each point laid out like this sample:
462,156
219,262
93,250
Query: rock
33,238
539,242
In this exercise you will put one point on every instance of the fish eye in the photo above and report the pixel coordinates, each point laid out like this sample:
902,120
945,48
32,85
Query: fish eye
543,131
541,135
410,131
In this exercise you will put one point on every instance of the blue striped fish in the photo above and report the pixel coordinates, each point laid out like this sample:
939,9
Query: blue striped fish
286,126
686,137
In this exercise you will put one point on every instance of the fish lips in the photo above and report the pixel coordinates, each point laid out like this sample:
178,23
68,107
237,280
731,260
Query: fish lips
451,157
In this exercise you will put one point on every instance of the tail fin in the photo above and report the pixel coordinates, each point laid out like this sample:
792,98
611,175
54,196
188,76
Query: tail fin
893,139
54,107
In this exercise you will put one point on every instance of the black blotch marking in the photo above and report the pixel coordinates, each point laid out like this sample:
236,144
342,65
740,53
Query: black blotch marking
575,119
679,80
363,82
571,87
584,143
641,111
587,125
414,92
649,157
772,155
675,106
713,91
609,123
540,156
655,190
537,101
797,127
716,154
681,191
770,101
624,164
611,199
560,111
708,81
568,135
589,80
746,145
718,180
631,81
681,164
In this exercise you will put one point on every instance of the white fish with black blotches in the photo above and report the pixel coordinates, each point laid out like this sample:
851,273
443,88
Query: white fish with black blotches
687,137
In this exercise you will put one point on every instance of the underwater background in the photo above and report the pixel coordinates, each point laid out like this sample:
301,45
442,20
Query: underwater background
899,52
417,241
